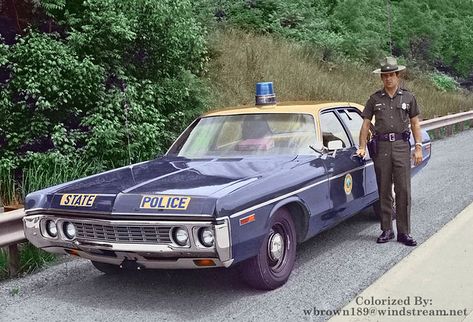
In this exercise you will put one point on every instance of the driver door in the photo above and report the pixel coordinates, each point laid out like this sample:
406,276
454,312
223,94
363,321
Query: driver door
345,171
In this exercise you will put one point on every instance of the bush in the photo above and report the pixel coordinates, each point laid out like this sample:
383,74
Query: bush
444,82
115,84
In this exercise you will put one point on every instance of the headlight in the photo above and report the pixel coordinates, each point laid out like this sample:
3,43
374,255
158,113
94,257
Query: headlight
51,228
181,236
206,236
69,230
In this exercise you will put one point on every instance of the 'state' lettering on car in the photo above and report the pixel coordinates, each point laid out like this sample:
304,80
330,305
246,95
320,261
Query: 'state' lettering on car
165,202
77,200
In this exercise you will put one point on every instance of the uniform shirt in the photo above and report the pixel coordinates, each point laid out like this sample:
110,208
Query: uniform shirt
392,115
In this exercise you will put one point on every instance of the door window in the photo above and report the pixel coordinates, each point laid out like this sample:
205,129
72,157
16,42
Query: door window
353,122
332,129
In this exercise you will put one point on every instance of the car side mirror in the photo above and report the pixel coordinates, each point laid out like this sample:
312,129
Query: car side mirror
335,145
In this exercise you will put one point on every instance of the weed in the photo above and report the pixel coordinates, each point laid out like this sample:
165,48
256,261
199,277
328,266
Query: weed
300,73
15,291
31,259
3,264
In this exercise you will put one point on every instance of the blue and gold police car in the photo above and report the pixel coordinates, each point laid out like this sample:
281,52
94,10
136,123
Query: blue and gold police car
242,185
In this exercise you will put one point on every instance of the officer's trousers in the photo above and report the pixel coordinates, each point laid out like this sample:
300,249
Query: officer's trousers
393,165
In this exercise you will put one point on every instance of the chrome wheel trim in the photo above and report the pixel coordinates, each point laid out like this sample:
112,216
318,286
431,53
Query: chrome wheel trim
276,246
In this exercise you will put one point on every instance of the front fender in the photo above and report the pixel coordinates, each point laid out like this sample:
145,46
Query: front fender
247,236
300,213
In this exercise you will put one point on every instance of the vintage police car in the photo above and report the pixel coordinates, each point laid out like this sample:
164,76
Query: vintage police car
241,185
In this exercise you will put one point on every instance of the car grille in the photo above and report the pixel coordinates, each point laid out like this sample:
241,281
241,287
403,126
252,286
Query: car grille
123,233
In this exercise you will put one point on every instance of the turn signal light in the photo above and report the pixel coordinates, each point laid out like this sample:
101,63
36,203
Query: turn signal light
73,252
204,262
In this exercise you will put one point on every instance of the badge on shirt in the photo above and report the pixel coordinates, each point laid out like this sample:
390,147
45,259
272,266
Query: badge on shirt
403,106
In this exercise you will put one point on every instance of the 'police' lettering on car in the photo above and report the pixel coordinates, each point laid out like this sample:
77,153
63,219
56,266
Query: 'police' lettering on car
165,202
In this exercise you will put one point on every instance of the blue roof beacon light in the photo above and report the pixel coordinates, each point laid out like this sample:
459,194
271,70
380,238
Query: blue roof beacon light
265,94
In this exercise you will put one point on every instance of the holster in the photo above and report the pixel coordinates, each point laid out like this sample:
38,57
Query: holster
373,146
406,137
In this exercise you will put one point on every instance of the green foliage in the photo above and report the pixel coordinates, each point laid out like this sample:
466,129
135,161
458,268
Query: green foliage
425,32
116,84
246,58
444,82
3,264
51,88
9,187
31,259
456,47
48,169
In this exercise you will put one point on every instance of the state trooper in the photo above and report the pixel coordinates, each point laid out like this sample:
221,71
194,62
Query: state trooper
394,109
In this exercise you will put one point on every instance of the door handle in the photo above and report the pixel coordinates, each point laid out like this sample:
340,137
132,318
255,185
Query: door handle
356,156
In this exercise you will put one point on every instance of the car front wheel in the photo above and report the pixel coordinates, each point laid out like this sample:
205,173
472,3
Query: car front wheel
272,266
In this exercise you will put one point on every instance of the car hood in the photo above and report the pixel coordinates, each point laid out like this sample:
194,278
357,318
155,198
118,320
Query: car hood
122,191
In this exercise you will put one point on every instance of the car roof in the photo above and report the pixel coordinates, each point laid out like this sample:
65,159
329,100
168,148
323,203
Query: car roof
284,107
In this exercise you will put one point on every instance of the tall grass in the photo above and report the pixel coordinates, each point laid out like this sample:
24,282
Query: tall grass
9,188
3,264
299,73
40,174
31,259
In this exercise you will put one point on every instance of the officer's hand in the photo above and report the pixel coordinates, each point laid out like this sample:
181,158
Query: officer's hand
361,152
417,155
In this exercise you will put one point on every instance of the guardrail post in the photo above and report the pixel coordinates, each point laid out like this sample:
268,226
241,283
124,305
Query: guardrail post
14,260
437,133
449,128
13,256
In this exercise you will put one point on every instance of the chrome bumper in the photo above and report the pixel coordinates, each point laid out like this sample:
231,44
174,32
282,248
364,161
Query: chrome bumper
146,254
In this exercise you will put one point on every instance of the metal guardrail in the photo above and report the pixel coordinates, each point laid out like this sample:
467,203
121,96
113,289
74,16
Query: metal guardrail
11,227
11,223
11,234
445,121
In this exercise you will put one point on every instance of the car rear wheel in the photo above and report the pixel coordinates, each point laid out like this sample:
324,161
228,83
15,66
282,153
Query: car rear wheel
106,268
272,266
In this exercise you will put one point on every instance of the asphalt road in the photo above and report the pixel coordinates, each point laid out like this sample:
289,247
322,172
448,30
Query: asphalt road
330,269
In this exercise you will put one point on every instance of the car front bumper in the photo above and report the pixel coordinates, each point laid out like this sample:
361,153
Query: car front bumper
143,244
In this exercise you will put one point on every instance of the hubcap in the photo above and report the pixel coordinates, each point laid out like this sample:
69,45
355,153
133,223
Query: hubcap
276,246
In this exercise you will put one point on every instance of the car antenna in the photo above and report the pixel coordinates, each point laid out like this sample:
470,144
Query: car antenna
389,14
126,106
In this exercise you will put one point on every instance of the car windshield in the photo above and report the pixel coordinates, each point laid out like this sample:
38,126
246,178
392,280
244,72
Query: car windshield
264,134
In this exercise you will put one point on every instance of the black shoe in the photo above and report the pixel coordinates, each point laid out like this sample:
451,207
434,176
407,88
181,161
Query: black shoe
406,240
385,236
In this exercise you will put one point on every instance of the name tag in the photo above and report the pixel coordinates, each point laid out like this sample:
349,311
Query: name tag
77,200
165,202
